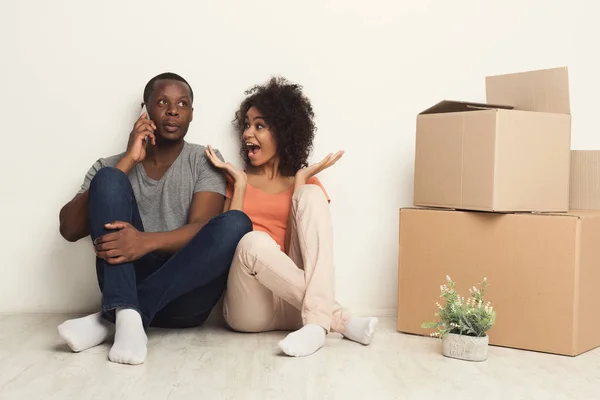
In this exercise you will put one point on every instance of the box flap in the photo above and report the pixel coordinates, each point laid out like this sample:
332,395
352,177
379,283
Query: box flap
542,91
571,214
584,213
459,210
451,106
424,208
579,214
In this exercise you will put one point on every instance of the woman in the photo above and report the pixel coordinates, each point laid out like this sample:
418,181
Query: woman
282,276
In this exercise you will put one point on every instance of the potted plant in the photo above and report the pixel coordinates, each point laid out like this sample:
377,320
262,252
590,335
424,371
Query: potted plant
463,325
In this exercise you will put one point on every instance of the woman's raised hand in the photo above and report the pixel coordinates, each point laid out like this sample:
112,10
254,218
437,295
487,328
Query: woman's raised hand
238,176
314,169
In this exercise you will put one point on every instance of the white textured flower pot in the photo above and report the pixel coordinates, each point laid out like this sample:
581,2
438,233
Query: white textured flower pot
465,347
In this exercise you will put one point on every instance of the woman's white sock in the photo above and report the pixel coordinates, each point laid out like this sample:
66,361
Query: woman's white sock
304,341
361,330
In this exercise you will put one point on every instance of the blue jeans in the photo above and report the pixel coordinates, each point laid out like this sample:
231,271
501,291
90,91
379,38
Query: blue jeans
169,291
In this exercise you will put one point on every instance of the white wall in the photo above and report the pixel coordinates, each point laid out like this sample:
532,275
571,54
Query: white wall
72,75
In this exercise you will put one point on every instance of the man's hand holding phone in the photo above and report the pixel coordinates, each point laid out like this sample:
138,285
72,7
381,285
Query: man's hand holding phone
141,135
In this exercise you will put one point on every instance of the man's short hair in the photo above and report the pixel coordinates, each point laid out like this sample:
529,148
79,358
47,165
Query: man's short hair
164,76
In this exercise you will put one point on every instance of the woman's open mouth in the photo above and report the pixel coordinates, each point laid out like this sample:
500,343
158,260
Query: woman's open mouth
253,150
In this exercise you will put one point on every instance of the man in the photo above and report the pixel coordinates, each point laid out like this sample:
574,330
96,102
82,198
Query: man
163,247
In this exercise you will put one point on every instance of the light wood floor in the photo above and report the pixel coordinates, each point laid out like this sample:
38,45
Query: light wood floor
214,363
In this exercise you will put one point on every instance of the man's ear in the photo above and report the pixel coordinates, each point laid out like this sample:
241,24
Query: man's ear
192,115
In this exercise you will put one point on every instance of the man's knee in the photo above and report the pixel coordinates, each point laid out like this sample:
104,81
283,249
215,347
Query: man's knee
110,180
235,224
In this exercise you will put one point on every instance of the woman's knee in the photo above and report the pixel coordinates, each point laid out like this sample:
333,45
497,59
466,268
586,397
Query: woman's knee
310,194
250,248
255,242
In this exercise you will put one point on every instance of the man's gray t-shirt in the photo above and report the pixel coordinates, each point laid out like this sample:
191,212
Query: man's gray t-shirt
164,204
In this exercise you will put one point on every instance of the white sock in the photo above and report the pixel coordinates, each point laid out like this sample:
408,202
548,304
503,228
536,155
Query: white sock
361,330
87,332
304,341
130,338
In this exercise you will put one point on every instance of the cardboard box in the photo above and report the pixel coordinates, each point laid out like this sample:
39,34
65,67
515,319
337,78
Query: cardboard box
543,272
491,157
585,180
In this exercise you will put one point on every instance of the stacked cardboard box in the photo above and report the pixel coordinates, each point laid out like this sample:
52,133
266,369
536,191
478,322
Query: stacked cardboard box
492,190
585,180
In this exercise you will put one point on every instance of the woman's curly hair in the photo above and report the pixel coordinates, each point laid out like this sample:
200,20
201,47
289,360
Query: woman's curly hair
289,115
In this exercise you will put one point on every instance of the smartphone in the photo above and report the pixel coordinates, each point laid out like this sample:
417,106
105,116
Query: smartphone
144,110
